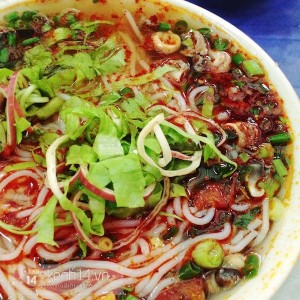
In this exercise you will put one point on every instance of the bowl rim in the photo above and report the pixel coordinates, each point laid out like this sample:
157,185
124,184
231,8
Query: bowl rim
281,256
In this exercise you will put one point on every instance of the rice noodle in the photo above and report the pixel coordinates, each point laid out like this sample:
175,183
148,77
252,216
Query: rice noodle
192,95
23,153
197,220
171,220
164,145
51,166
177,206
82,294
144,246
115,285
46,294
240,207
243,242
160,286
265,225
156,231
181,101
40,200
209,121
121,223
28,293
159,273
142,152
132,48
31,242
56,256
15,253
139,272
148,219
134,26
7,287
106,83
141,285
241,233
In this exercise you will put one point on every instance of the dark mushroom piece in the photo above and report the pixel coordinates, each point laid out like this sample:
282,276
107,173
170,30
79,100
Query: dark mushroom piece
222,279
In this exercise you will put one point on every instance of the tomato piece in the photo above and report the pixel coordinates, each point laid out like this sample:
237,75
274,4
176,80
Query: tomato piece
188,290
211,195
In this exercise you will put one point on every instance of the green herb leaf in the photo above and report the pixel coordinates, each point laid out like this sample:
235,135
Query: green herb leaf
242,221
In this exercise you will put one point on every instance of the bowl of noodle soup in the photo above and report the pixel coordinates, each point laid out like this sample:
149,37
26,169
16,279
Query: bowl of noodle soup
148,150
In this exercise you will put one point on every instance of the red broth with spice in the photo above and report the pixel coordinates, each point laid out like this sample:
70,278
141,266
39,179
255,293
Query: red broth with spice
142,157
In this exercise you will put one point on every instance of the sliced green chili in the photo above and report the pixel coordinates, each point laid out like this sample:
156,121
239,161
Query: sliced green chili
251,266
280,138
164,26
189,271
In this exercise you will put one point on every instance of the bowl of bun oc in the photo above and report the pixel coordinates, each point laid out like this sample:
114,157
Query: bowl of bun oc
148,150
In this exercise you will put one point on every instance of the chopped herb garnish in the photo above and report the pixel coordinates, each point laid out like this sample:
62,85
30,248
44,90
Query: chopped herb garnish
242,221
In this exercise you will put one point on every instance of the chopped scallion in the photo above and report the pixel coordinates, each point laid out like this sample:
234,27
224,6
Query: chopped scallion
12,17
12,38
30,41
244,156
28,15
189,271
205,31
221,44
180,26
46,27
164,26
280,138
280,168
251,266
4,55
252,67
238,58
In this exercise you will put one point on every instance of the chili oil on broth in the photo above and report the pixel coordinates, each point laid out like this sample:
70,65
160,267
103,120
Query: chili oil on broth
166,9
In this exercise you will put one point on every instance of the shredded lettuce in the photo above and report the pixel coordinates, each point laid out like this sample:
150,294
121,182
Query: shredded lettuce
109,58
107,143
81,62
89,27
4,75
98,175
97,207
83,154
177,190
45,223
21,125
20,166
143,79
38,56
128,180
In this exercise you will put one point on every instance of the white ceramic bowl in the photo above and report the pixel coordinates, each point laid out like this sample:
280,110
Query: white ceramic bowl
280,250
